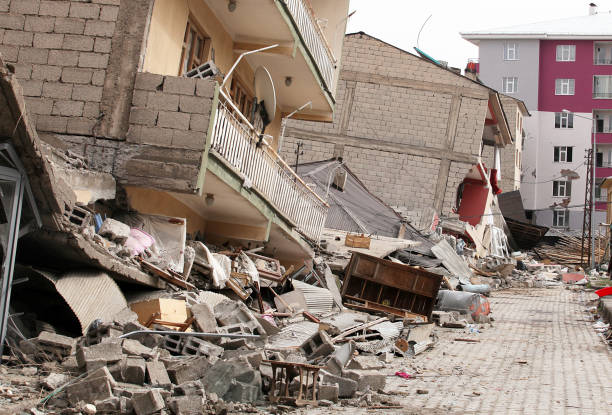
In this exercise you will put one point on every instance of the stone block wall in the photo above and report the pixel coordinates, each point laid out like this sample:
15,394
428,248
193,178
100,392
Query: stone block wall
60,51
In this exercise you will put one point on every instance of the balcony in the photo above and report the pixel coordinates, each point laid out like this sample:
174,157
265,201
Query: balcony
602,94
235,141
311,34
602,61
604,137
603,170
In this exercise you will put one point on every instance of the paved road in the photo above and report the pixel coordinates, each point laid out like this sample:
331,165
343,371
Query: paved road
540,357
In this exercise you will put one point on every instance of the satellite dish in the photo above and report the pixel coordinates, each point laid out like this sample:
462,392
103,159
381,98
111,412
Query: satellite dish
264,91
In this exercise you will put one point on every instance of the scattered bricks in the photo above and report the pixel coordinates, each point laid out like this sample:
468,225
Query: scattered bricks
328,392
319,344
33,55
57,90
68,108
199,122
162,101
46,72
9,53
108,352
135,348
179,85
51,123
366,363
220,376
195,105
232,312
340,358
63,58
76,75
102,45
97,334
186,405
204,317
174,120
54,8
87,93
114,230
157,375
367,378
109,13
148,81
140,98
55,344
198,347
93,60
69,25
346,387
84,10
192,388
48,40
205,88
99,28
25,6
252,358
148,403
98,78
143,116
441,317
89,390
133,370
34,89
109,405
18,38
11,21
173,343
39,105
243,392
186,369
125,316
55,380
191,140
39,24
78,42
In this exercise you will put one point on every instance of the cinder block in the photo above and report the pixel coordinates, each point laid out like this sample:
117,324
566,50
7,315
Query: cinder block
77,75
199,122
157,375
12,21
148,403
63,58
48,40
41,24
89,390
173,343
205,88
162,101
98,78
99,28
204,317
148,81
39,105
198,347
194,105
78,42
51,123
133,370
87,93
84,10
93,60
57,90
174,120
186,404
54,8
68,108
188,369
32,89
46,73
80,126
9,53
367,378
102,45
133,347
179,85
328,392
69,25
346,387
319,344
18,38
24,6
192,140
143,116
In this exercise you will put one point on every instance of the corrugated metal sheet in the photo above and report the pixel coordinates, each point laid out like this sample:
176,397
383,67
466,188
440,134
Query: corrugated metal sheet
90,295
292,336
319,300
346,320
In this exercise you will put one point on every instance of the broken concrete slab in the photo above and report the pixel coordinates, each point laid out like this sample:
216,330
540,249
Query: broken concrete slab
186,369
157,375
55,380
204,317
114,230
328,392
56,344
133,370
367,379
186,404
346,386
135,348
366,363
148,403
89,390
317,345
102,353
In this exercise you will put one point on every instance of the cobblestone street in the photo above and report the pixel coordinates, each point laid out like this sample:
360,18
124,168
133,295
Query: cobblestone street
540,357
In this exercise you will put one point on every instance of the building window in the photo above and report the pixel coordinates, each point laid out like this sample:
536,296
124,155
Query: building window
511,52
241,97
564,120
562,188
564,87
602,86
566,53
196,48
560,218
510,85
563,154
597,191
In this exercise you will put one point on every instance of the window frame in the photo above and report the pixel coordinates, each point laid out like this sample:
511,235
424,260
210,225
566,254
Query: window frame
562,83
241,95
564,120
505,84
571,53
563,188
560,214
563,154
189,43
514,49
607,94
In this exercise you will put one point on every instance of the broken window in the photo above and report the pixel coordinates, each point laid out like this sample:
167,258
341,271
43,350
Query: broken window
509,84
563,154
566,53
562,188
560,218
564,86
196,48
511,51
564,120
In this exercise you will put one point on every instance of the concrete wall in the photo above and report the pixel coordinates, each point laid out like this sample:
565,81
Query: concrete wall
493,68
407,128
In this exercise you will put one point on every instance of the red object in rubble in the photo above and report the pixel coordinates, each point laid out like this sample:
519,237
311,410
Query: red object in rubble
404,375
604,292
494,187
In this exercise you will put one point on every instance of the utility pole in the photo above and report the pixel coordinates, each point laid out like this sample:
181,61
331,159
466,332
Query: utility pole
585,253
298,152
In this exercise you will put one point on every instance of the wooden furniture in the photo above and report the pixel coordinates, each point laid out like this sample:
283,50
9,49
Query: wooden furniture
282,375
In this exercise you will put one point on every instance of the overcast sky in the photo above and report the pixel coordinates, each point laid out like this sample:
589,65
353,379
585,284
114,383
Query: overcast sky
398,21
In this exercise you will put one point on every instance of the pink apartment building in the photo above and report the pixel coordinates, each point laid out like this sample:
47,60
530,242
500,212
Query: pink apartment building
562,70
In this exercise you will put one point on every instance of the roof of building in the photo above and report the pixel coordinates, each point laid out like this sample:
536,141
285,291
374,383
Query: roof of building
596,26
353,209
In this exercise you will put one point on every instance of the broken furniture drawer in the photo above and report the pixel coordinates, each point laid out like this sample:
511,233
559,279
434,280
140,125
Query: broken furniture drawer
375,284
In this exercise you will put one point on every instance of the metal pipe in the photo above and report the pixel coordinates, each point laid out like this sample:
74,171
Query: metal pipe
193,333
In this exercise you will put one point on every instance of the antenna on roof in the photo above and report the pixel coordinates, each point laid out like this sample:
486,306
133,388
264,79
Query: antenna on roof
420,30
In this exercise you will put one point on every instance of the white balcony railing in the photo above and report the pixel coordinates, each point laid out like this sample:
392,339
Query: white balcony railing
309,29
235,140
